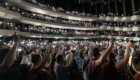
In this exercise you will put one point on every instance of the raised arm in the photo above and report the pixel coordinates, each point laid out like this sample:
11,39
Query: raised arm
9,59
47,66
124,62
71,61
103,57
131,63
63,50
85,50
43,63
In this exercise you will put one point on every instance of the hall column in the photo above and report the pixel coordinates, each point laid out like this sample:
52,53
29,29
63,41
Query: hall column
5,23
133,5
124,10
133,9
98,32
14,24
124,7
116,8
111,33
104,32
22,27
102,5
3,39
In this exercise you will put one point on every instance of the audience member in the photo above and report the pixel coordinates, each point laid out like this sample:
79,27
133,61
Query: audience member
96,61
111,69
8,69
60,69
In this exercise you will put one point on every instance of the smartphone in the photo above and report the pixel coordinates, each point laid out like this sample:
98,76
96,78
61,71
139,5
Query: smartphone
18,39
127,39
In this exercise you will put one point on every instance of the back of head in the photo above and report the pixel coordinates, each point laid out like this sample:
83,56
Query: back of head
120,47
21,53
111,57
58,58
94,52
121,53
3,53
35,58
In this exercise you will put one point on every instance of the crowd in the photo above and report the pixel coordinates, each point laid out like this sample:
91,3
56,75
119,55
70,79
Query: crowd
55,19
112,15
46,17
68,60
43,17
68,32
59,9
137,12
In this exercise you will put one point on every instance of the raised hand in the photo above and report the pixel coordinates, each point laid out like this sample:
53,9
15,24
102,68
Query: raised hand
71,54
110,42
128,45
15,38
51,56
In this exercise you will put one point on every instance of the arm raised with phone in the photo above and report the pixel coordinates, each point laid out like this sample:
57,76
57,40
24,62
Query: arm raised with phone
103,57
124,62
71,61
9,59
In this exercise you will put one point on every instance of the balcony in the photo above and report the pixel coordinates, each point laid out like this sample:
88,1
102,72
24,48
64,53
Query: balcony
103,27
118,28
135,18
4,13
34,35
109,18
126,19
35,8
135,28
110,28
54,25
119,19
127,29
102,18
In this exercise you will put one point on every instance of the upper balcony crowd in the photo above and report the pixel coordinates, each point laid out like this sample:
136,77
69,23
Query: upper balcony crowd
48,18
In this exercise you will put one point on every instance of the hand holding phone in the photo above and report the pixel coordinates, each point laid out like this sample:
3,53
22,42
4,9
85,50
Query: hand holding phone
127,39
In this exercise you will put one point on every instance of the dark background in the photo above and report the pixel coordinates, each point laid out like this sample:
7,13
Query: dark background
73,5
